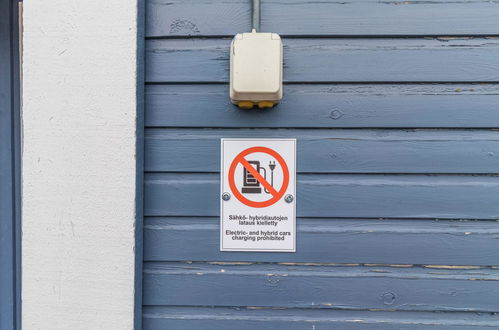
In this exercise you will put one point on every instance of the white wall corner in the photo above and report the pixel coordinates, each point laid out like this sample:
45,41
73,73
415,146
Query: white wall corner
79,167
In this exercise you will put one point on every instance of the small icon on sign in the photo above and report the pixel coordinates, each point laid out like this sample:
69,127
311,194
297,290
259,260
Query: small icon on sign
250,184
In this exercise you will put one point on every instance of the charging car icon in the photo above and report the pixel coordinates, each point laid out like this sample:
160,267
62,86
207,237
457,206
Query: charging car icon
250,184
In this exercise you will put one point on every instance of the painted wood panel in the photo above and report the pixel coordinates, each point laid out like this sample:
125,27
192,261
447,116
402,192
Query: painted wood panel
393,120
9,167
360,241
197,17
167,18
229,318
334,195
80,208
335,60
321,286
335,151
370,17
333,105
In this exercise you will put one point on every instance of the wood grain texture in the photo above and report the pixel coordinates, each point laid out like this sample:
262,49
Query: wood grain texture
335,151
364,111
370,17
10,192
197,17
407,105
334,60
314,286
79,164
229,318
331,195
360,241
166,18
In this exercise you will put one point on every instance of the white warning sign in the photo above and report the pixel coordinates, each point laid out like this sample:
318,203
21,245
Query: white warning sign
258,195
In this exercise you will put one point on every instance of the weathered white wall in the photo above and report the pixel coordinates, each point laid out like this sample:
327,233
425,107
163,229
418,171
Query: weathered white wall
79,116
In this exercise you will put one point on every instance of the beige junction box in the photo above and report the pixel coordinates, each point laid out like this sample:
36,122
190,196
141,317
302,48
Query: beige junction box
256,70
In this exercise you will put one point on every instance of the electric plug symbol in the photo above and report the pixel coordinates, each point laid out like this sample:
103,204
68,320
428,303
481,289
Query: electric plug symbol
272,168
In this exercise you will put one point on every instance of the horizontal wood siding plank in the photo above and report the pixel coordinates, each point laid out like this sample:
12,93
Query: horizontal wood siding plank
197,17
331,195
312,286
210,323
418,105
361,17
334,60
336,241
230,318
333,151
166,18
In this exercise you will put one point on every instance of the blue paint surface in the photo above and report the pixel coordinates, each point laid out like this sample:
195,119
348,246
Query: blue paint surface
397,186
9,168
332,240
139,184
333,60
327,18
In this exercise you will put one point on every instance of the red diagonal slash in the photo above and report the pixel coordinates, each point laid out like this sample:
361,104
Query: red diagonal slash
257,176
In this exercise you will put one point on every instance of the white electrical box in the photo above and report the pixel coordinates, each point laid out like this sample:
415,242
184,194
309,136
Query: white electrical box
256,70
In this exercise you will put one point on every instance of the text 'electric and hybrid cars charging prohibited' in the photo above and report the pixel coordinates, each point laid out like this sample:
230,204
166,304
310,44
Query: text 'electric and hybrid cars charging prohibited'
258,180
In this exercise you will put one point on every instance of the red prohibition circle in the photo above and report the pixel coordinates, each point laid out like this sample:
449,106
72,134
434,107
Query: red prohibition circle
277,195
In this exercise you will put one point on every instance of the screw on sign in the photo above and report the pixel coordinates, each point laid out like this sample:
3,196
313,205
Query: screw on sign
256,176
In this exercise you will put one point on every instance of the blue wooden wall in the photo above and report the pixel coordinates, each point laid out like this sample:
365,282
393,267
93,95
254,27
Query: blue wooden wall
395,105
9,168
